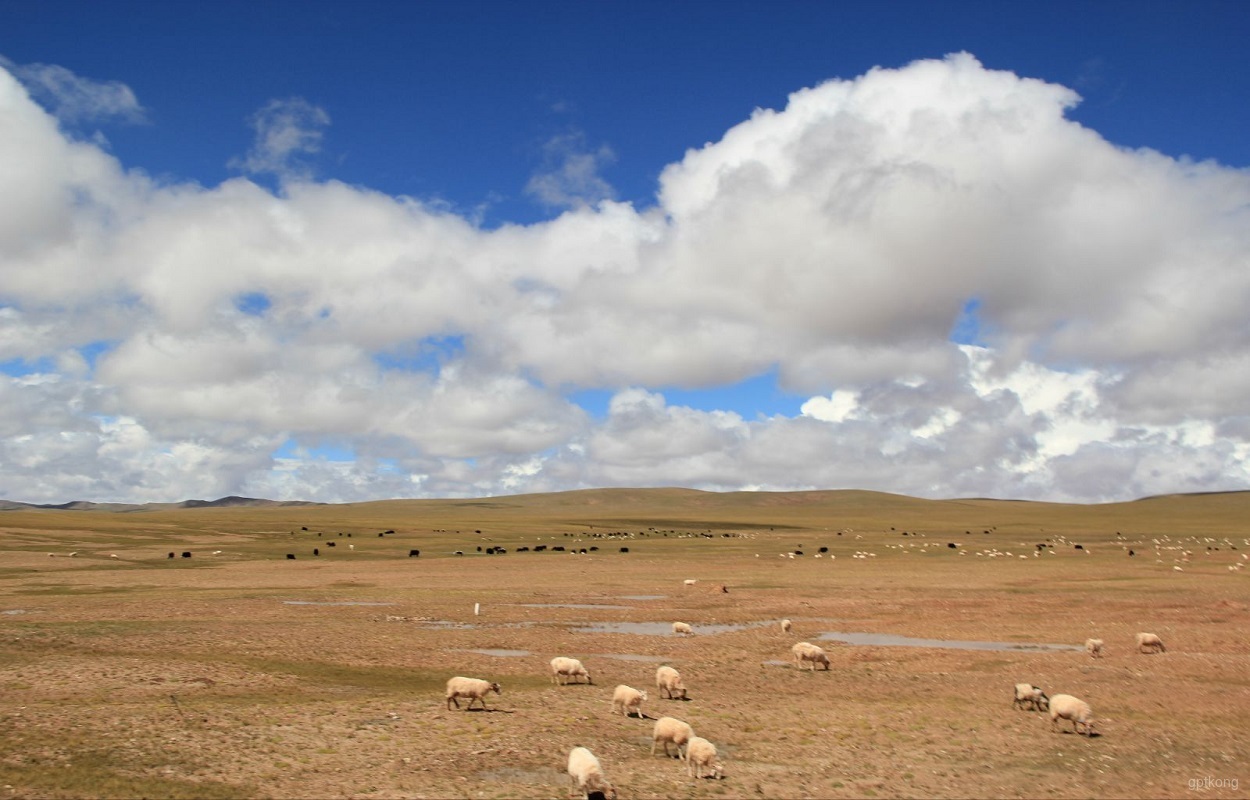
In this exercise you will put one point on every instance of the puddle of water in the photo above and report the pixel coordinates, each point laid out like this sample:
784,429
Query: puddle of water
643,596
339,603
487,651
890,640
633,657
662,628
571,605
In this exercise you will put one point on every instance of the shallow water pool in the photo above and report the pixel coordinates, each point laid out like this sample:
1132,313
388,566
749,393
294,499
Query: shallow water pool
891,640
663,628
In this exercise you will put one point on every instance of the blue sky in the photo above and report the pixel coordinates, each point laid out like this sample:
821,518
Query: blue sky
346,251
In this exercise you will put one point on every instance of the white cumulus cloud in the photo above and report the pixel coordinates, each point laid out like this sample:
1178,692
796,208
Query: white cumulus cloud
165,341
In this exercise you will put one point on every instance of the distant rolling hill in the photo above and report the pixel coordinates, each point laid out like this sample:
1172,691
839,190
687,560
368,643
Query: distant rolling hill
232,501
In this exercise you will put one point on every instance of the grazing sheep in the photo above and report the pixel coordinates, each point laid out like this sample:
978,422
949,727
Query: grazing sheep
628,699
1065,706
1150,643
668,681
689,582
475,689
786,626
1094,648
683,628
701,753
806,651
671,729
586,774
568,668
111,555
1029,695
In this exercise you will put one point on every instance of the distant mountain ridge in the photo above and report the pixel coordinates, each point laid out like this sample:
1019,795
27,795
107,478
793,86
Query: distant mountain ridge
624,498
233,501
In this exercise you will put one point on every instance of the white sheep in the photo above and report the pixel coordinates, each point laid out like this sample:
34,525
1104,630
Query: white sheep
668,681
671,729
586,775
1094,648
806,651
628,699
683,628
1029,695
1150,643
1065,706
569,669
701,753
475,689
689,582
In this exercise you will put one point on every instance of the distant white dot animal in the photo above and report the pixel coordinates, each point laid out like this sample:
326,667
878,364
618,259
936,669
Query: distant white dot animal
113,555
683,628
1065,706
671,729
701,754
806,651
628,700
570,669
689,582
475,689
668,681
1031,696
586,774
786,626
1150,643
1094,647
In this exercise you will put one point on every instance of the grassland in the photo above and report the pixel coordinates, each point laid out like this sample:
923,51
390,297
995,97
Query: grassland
242,673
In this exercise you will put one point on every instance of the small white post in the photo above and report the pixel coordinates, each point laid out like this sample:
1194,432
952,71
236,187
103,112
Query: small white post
477,609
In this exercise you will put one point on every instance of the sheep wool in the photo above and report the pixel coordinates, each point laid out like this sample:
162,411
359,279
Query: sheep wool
628,699
808,652
1031,696
586,775
475,689
668,681
671,730
566,670
700,755
1150,643
1065,706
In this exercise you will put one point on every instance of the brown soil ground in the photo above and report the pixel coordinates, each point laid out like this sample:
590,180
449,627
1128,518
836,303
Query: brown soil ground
244,674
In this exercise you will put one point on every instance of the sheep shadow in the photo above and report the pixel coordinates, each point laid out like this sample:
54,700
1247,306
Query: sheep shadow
489,711
1090,735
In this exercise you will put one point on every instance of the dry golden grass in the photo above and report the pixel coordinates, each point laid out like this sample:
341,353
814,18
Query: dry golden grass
244,674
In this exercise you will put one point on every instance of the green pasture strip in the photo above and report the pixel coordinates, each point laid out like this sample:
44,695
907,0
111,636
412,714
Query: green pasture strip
100,773
390,679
